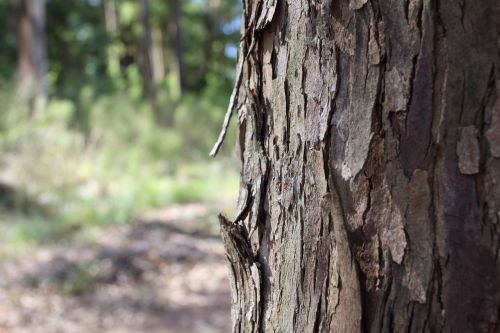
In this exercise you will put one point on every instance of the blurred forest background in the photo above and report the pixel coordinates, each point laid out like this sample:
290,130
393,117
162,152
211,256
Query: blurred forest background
108,111
110,107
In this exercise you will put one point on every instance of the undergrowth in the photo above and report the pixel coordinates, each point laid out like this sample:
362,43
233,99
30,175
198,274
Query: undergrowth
100,160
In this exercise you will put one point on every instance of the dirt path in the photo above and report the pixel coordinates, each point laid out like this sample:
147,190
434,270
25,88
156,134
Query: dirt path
164,273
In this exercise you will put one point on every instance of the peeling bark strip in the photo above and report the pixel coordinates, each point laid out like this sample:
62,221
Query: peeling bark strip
244,277
370,185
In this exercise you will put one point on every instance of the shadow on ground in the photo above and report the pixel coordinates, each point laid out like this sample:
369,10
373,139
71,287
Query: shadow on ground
164,273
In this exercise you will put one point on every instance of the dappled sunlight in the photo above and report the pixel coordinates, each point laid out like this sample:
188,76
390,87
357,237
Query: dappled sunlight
151,275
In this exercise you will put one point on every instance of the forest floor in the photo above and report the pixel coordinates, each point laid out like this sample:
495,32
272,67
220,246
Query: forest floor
163,273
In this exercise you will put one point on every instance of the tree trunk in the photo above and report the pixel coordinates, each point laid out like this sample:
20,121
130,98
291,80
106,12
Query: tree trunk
146,58
369,134
32,52
179,49
111,20
158,55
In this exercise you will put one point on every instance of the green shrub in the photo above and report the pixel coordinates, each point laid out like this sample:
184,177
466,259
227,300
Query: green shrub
70,177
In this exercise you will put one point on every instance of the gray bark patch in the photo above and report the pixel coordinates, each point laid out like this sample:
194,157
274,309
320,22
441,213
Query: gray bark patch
468,151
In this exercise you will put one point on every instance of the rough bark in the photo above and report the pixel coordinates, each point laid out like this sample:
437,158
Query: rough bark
32,51
370,148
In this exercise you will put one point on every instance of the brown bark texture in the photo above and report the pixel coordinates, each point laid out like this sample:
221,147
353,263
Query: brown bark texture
369,135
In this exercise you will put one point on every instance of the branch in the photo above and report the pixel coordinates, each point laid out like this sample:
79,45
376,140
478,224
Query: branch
233,101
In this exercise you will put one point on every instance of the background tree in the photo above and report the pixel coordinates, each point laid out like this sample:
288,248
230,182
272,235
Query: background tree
98,48
179,49
111,21
146,56
369,137
32,55
123,132
96,106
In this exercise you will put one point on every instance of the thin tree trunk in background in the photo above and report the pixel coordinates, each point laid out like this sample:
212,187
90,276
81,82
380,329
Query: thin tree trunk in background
210,25
179,49
146,58
158,56
110,15
369,134
32,56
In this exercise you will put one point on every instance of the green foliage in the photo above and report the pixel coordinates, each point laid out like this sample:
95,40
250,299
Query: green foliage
99,152
125,164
